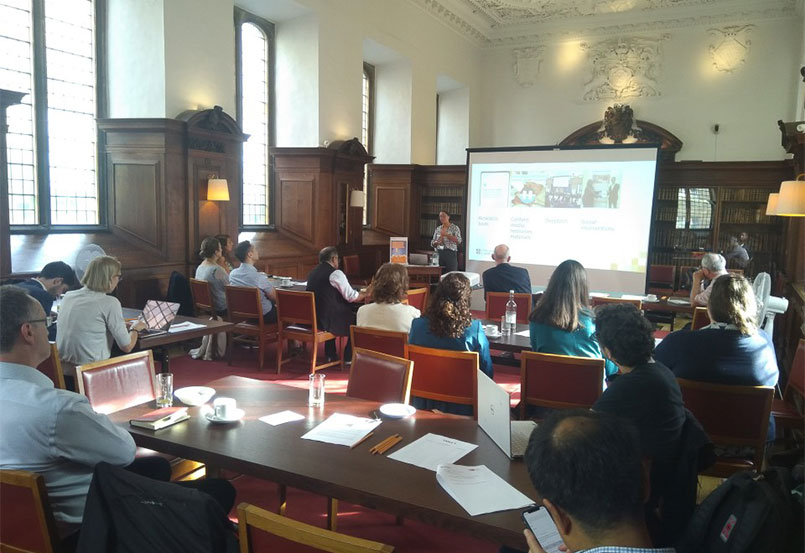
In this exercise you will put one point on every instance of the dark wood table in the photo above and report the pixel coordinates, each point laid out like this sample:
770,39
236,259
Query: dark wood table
513,343
355,475
424,273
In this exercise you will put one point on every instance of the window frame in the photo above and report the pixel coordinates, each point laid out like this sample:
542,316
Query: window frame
241,17
40,116
369,72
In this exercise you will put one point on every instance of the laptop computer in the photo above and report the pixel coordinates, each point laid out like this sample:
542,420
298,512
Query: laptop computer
494,418
158,316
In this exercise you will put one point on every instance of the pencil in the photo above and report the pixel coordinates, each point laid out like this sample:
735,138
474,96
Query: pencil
397,439
376,448
359,442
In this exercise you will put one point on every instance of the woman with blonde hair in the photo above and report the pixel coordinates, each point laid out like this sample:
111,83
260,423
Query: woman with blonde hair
388,290
211,271
90,319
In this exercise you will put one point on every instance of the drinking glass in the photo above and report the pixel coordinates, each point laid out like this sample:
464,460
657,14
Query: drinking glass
315,397
164,389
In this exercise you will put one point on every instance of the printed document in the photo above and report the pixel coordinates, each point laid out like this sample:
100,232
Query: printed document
479,490
526,333
432,450
182,327
282,417
342,429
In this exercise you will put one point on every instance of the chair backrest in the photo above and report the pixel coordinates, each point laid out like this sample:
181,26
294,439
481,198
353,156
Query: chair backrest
375,339
202,298
736,271
662,276
731,415
351,265
418,297
296,308
243,304
596,301
686,276
559,381
379,377
445,375
700,318
496,305
51,367
118,383
261,531
27,523
796,379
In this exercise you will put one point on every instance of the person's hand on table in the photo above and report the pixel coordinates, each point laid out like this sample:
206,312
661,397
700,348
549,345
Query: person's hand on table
137,325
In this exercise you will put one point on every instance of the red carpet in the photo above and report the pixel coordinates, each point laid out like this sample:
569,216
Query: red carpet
354,520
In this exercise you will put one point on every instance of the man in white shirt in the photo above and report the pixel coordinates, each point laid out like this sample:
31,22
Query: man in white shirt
713,266
247,275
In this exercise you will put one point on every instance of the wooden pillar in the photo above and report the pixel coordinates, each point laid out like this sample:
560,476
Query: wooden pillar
7,98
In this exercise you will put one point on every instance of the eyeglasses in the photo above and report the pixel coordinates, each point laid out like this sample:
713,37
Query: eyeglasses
47,320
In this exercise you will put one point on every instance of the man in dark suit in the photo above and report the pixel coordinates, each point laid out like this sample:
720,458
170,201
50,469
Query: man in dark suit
503,276
53,280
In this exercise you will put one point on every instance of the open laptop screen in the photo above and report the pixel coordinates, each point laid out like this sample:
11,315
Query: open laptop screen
158,315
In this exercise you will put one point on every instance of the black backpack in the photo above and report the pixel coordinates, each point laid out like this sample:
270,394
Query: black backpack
749,512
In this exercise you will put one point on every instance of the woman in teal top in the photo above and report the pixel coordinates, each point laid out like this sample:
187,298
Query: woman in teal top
562,321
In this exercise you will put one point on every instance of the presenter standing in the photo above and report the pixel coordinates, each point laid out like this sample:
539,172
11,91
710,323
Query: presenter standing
446,239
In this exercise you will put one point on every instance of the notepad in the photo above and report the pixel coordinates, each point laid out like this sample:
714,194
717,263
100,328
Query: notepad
161,418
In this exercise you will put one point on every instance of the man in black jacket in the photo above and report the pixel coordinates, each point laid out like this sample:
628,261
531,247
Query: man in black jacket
503,276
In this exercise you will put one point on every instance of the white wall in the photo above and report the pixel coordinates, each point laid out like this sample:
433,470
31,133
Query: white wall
453,132
745,103
392,138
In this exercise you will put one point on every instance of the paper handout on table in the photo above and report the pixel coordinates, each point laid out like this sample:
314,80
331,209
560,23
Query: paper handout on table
599,295
479,490
526,333
432,450
282,417
632,297
342,429
182,327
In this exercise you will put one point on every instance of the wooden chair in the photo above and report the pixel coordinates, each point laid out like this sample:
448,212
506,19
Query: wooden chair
496,306
559,381
731,416
445,375
296,320
261,532
351,265
245,308
202,297
118,383
597,301
736,271
785,411
685,280
700,318
376,376
27,524
661,279
51,367
418,297
383,341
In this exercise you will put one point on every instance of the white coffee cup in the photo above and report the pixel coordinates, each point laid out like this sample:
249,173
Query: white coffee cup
651,297
224,407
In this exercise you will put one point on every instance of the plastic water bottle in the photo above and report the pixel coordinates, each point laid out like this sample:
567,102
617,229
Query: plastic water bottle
511,313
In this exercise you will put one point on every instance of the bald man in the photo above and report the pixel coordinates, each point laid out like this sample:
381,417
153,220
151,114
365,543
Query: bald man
503,276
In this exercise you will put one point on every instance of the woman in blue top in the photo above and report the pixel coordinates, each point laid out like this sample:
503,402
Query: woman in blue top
562,321
447,324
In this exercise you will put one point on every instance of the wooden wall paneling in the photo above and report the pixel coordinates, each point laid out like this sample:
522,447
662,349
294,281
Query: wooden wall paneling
136,206
296,205
395,194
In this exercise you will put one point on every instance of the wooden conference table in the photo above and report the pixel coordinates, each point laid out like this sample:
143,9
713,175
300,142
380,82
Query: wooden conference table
277,453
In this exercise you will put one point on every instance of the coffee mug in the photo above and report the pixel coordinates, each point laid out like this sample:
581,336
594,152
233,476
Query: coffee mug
651,297
224,407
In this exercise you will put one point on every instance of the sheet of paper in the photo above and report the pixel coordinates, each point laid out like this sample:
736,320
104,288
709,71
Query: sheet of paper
182,327
599,295
282,417
341,429
525,333
632,297
479,490
432,450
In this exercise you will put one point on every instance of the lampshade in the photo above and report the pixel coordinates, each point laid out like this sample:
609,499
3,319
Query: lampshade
217,190
792,199
771,206
357,199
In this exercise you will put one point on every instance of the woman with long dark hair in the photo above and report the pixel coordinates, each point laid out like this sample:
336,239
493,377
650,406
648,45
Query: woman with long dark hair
562,321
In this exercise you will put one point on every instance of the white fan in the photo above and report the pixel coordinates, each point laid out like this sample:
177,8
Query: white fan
767,305
84,256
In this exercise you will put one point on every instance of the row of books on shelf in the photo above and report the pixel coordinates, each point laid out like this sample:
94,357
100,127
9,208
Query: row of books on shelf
454,209
457,191
745,215
762,242
680,239
672,258
667,193
745,194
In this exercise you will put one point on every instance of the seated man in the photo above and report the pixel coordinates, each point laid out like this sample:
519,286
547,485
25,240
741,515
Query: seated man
53,280
588,473
503,276
333,298
736,253
246,275
713,266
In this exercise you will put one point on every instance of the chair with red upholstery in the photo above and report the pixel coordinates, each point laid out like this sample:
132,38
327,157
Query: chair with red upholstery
202,298
417,296
375,376
445,375
559,381
51,367
244,308
598,301
296,320
785,411
496,306
118,383
375,339
732,416
351,265
700,318
27,524
661,279
685,280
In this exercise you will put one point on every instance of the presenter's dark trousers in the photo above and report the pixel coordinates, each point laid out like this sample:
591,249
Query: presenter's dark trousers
449,260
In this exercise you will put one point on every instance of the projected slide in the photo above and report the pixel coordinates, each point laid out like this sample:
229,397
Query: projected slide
550,205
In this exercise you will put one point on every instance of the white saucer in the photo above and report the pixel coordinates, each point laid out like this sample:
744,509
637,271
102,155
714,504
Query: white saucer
397,410
210,416
488,330
646,300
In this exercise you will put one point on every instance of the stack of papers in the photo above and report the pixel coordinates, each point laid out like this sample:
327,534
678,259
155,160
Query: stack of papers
432,450
161,418
186,325
342,429
479,490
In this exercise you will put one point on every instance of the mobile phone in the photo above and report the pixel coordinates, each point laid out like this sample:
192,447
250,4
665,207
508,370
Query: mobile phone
539,521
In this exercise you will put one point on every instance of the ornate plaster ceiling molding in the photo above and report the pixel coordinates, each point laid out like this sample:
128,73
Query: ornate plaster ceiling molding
729,46
527,63
460,24
625,67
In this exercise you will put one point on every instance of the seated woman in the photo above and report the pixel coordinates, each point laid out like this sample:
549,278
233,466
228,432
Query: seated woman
227,260
448,324
732,349
213,273
89,319
562,321
388,291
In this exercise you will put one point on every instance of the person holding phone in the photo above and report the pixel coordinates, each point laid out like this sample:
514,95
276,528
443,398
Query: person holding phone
588,472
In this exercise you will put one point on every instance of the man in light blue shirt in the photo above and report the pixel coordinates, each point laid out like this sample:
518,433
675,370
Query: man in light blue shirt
247,275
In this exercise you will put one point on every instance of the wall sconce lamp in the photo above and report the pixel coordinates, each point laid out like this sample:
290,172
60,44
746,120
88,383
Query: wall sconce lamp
217,189
771,206
357,198
791,201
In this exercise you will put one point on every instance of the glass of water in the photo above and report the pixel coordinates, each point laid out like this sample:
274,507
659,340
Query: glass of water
315,397
164,389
